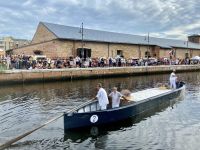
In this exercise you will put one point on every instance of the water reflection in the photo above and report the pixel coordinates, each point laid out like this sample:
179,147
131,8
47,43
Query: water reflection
23,107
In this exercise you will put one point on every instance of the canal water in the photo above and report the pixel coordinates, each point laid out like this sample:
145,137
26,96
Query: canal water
174,125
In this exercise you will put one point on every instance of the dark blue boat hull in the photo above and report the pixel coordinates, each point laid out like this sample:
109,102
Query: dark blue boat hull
80,120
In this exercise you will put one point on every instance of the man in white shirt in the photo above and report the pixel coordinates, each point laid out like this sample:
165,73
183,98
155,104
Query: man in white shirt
173,79
115,95
77,61
102,97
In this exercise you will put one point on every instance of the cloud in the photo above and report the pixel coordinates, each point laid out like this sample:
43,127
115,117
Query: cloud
182,31
171,19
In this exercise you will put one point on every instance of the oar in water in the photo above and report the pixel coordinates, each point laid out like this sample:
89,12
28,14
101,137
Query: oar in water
10,142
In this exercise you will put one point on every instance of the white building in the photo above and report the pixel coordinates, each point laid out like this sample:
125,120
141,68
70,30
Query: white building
8,43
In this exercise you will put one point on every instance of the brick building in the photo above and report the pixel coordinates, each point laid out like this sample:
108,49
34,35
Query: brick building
55,40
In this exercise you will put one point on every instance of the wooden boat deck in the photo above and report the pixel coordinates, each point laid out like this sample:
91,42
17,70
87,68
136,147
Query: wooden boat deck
144,94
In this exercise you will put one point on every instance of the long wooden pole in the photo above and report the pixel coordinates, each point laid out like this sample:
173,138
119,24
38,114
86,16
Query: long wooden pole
10,142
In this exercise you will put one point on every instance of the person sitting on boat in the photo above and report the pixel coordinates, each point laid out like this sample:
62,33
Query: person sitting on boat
173,79
115,96
179,83
127,95
102,97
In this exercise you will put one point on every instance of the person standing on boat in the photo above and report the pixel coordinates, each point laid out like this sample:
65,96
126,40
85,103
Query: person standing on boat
102,97
173,79
115,95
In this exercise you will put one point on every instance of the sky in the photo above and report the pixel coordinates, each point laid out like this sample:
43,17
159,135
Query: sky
174,19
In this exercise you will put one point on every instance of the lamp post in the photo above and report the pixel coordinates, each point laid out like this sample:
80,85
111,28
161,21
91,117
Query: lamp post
81,31
189,54
187,49
148,46
82,36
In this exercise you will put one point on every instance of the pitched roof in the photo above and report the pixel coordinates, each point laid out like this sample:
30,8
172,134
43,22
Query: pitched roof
73,33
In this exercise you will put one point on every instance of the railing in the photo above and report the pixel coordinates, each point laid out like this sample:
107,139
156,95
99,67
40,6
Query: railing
94,106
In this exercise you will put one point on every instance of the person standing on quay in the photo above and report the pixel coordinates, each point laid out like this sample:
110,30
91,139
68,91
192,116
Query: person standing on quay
8,61
102,97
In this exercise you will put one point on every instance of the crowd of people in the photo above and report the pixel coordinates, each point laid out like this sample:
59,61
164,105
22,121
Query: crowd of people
41,62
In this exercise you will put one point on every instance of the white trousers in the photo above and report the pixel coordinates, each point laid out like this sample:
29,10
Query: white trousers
172,83
115,105
103,107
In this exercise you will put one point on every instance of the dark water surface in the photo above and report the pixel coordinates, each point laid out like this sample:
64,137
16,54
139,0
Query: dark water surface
173,126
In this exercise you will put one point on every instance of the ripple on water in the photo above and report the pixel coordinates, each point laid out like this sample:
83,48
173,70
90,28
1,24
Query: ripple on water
175,126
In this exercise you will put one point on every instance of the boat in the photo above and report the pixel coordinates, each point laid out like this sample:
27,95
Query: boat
90,115
81,134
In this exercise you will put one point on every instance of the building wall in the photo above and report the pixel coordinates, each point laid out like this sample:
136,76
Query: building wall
180,53
110,49
156,51
97,49
20,43
42,34
144,49
101,49
7,43
128,51
64,48
52,49
48,48
195,53
164,53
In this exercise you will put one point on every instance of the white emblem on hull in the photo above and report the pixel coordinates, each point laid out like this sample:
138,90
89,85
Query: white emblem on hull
94,118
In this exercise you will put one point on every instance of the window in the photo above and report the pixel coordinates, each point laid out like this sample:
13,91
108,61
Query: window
119,52
147,54
83,53
193,39
38,52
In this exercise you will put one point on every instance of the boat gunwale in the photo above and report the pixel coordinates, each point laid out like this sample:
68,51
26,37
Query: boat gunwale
132,103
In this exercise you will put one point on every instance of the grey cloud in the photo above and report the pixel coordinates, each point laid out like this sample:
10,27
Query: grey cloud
159,17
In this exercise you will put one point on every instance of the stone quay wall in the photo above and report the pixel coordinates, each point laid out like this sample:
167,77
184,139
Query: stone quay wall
46,75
